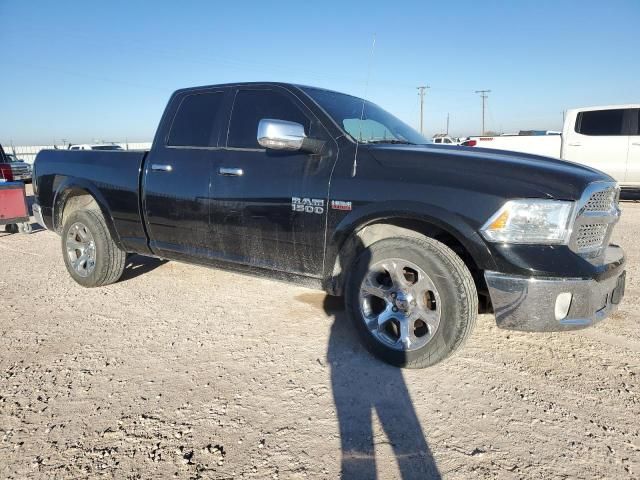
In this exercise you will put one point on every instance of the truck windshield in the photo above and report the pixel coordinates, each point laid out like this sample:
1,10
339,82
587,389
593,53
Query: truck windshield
374,126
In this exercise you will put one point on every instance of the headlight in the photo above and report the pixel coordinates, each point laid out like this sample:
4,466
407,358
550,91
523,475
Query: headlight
530,221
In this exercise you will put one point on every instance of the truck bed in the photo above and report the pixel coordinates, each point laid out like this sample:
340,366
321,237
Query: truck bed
112,177
546,145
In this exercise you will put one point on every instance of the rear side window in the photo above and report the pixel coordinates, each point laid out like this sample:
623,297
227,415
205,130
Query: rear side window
195,120
251,106
601,122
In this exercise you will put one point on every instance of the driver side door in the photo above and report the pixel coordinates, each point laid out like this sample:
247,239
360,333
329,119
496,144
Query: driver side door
268,207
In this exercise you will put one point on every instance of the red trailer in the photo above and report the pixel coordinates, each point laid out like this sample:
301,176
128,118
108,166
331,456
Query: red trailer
14,211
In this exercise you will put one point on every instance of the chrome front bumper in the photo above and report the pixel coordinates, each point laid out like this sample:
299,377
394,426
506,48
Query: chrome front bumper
529,303
37,214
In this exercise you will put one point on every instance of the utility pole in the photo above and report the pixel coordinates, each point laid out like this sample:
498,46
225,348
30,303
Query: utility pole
421,92
483,94
447,124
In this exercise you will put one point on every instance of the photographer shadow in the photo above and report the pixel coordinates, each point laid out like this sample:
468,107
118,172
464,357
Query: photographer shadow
363,385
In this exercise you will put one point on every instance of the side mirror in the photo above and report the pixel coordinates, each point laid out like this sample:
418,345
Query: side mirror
280,134
289,136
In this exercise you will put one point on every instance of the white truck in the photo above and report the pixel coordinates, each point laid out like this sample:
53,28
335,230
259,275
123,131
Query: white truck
96,146
606,138
445,140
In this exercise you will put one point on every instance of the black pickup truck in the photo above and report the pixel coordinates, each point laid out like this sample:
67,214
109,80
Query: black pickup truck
333,192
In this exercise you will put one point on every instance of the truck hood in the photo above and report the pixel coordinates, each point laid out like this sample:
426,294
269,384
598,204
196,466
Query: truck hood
481,169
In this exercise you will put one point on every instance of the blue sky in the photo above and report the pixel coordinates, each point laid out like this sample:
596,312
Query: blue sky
87,71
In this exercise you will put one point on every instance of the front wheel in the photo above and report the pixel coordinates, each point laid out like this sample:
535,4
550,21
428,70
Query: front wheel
91,256
413,300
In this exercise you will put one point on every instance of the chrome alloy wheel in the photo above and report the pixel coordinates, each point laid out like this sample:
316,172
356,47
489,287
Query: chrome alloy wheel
81,249
400,304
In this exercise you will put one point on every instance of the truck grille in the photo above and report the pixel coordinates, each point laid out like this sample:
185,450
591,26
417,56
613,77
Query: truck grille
591,235
602,201
598,212
20,170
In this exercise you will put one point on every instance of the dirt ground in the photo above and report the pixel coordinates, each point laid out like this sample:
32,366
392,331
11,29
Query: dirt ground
189,372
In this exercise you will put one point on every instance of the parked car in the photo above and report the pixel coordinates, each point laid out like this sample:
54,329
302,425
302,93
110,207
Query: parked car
97,146
606,138
445,140
333,192
12,168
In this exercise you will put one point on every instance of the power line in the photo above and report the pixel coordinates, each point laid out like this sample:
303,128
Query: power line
170,52
484,95
421,92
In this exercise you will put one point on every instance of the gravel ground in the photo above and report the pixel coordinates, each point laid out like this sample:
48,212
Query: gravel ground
183,371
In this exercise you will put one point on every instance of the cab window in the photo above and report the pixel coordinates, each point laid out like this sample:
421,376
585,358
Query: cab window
601,122
194,122
251,106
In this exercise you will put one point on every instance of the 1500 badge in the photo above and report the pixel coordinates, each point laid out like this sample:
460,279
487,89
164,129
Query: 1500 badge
307,205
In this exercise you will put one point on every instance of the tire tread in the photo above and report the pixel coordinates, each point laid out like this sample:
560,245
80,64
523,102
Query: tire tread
468,286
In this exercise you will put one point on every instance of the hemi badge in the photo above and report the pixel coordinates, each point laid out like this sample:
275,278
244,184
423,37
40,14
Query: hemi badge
340,205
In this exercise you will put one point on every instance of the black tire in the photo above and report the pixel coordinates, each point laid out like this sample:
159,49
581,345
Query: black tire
457,297
109,259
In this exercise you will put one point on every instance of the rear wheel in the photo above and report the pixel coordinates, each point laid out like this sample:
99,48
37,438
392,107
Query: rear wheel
413,300
91,256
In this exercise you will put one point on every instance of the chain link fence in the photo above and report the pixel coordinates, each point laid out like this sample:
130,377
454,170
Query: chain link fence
28,153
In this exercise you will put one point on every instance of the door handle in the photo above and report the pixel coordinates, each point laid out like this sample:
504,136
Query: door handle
158,167
637,144
230,172
575,144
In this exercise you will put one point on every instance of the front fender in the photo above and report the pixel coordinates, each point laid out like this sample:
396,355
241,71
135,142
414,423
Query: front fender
426,214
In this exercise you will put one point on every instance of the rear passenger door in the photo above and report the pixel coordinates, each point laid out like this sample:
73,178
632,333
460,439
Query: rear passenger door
178,174
254,189
600,140
633,162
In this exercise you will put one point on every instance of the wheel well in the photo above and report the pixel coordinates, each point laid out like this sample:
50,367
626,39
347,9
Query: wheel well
72,201
373,232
